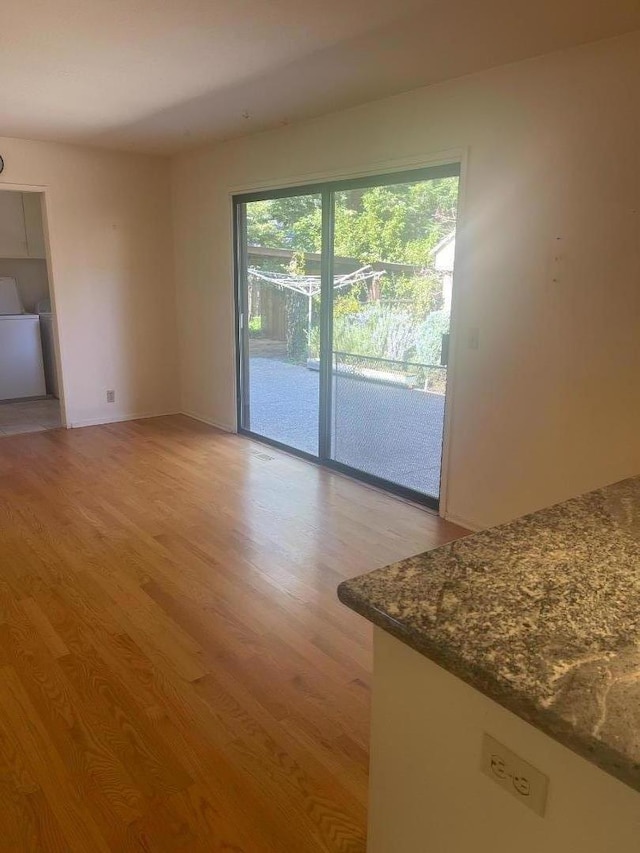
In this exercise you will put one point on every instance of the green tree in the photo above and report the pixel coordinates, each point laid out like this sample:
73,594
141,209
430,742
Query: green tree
286,223
400,223
397,224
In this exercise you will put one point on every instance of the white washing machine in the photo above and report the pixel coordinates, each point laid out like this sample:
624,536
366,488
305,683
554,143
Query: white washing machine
21,367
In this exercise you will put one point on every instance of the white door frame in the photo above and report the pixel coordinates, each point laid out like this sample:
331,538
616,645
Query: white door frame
44,194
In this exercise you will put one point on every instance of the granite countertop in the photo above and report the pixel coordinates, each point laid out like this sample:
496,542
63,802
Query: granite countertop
541,614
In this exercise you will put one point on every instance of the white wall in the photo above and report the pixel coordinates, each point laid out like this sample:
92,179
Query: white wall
549,405
111,251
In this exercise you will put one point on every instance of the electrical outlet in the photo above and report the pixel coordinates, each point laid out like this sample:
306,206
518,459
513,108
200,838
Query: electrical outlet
111,396
514,774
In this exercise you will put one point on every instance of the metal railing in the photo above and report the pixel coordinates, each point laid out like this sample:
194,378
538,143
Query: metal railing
410,374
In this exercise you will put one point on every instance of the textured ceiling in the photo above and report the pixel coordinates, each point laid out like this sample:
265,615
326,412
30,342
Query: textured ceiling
162,76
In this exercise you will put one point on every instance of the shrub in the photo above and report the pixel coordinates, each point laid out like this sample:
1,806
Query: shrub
429,337
376,330
384,331
296,319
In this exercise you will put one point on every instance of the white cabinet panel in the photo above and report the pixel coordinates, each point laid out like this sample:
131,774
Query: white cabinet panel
21,232
32,204
13,235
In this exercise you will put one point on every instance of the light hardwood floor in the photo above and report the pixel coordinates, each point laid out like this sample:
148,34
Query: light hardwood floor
176,672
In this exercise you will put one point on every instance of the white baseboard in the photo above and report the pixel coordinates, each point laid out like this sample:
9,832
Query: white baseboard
208,421
114,419
473,526
135,416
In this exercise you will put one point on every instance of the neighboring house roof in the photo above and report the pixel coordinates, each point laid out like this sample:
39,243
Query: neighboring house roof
444,252
443,243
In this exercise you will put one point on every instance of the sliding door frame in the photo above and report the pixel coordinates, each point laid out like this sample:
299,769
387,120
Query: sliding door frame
326,325
327,191
242,312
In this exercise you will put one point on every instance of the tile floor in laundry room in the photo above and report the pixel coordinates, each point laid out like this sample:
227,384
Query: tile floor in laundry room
29,416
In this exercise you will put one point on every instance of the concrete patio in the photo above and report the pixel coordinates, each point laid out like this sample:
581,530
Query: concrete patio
389,431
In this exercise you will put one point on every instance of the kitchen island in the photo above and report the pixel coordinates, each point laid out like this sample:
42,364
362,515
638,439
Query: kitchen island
507,675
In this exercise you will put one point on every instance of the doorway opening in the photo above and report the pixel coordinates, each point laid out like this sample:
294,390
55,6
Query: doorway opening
343,309
29,377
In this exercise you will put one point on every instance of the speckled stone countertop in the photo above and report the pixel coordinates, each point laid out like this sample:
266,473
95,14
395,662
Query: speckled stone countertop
541,614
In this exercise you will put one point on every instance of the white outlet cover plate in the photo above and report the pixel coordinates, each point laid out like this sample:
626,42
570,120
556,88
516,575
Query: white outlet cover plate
519,778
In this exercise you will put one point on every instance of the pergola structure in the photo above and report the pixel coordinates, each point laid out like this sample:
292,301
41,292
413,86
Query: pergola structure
311,285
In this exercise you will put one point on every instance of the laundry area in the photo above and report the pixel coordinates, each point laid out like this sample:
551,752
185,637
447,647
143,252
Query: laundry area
29,386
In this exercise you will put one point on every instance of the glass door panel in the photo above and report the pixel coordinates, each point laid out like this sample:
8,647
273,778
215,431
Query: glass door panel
392,275
280,250
344,297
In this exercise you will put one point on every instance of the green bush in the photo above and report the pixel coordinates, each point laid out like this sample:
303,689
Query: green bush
377,330
384,331
296,316
429,337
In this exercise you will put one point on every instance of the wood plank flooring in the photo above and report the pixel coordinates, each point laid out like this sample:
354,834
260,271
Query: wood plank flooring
176,672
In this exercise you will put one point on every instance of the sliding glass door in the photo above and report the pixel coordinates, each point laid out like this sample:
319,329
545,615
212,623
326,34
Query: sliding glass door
281,304
344,298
